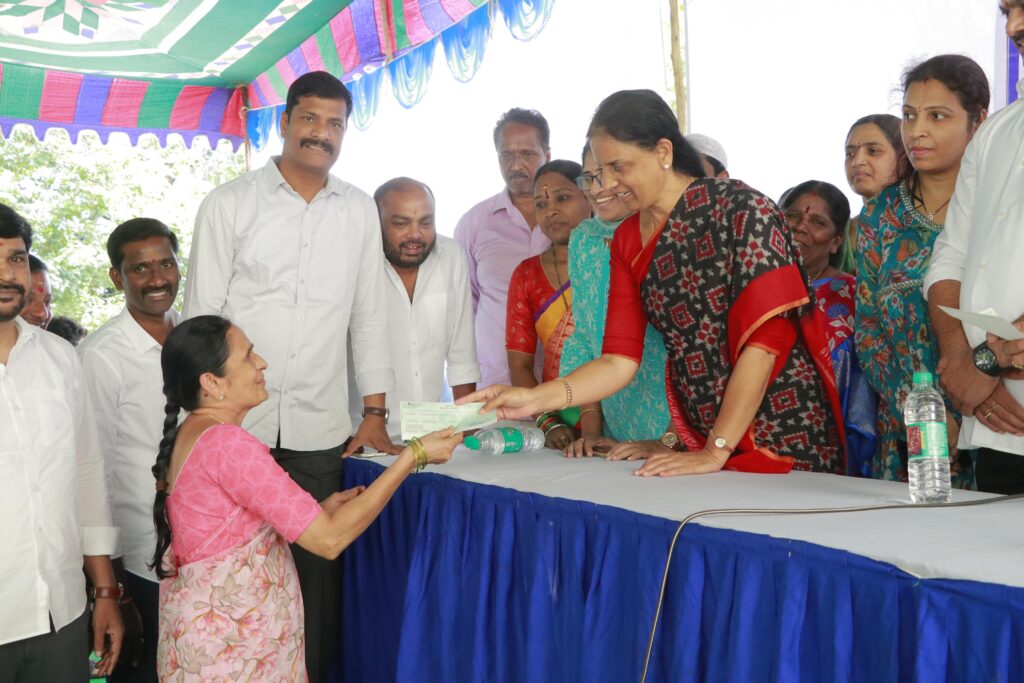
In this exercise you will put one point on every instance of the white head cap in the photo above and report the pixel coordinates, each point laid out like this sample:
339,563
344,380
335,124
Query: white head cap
708,147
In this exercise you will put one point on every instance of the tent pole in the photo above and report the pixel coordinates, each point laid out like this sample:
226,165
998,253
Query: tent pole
678,69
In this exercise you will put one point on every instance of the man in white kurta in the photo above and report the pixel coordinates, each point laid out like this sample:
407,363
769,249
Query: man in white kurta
121,363
975,266
429,301
53,495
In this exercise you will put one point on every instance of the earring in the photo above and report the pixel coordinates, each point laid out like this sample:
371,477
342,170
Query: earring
221,397
665,166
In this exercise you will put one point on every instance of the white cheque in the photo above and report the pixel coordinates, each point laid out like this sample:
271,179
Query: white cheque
988,320
420,418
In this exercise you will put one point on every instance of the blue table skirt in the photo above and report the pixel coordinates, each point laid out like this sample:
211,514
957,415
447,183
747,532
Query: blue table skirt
466,582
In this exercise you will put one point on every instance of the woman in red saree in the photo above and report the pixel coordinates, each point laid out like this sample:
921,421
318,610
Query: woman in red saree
230,606
540,293
712,266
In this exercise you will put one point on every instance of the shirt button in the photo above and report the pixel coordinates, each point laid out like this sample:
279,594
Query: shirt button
291,355
298,317
305,244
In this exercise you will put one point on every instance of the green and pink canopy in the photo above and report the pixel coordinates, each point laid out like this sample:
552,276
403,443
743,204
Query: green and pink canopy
220,69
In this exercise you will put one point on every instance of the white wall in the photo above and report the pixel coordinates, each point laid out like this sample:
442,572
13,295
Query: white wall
779,83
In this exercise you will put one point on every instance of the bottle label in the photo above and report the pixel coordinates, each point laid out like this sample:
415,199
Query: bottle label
927,440
513,439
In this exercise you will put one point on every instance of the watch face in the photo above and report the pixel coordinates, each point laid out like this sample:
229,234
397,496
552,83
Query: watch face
984,358
720,443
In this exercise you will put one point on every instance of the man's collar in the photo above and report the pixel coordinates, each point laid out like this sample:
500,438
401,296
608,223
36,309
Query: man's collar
273,178
140,340
26,330
503,202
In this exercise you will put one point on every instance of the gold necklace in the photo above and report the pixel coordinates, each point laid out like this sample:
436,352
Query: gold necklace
558,278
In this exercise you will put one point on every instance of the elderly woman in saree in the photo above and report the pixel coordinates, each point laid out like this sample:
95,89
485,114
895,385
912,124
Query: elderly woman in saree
225,511
816,212
710,264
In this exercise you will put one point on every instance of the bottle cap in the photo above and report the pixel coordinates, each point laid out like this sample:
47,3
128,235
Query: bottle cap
922,377
472,443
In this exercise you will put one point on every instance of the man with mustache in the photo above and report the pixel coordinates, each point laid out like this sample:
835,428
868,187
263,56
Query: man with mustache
38,309
53,496
501,232
975,265
429,301
292,255
121,362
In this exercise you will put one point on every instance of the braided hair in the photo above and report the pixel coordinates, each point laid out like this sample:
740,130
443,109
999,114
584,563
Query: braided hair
192,349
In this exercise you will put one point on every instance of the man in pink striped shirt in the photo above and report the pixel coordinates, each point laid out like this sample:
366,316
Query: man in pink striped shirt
500,232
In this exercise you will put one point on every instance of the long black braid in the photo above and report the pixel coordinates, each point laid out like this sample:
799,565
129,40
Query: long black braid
163,463
194,348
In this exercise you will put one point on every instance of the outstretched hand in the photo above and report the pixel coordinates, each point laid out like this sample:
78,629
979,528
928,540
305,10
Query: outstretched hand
512,403
440,444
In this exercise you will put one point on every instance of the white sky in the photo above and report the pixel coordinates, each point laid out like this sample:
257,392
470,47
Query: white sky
778,83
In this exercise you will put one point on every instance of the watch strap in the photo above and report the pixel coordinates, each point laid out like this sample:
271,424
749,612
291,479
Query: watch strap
379,412
111,592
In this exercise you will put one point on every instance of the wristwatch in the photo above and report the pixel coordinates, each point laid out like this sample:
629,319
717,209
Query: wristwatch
379,412
670,440
986,361
112,592
719,442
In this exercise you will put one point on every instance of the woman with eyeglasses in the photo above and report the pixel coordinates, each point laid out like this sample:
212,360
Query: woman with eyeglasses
945,99
816,212
711,265
630,420
540,293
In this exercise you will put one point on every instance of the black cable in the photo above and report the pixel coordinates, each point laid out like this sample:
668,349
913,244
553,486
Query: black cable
791,511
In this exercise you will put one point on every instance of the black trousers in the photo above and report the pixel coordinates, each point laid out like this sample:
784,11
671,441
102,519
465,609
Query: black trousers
319,473
55,656
999,472
146,595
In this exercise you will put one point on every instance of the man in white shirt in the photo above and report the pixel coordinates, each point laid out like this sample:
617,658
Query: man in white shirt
429,301
975,265
501,232
52,494
121,363
38,311
292,255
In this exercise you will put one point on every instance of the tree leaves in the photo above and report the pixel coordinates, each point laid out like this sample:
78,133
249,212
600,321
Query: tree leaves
75,195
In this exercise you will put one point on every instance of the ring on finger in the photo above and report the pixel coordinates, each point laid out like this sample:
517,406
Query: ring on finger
1017,366
990,411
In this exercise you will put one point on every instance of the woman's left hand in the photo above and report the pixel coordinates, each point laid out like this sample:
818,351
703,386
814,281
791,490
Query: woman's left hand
674,463
339,498
559,437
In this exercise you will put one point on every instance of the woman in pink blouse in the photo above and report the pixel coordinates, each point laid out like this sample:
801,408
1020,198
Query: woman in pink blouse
230,606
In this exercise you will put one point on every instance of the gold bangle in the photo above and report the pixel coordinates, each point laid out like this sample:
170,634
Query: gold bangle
568,393
419,452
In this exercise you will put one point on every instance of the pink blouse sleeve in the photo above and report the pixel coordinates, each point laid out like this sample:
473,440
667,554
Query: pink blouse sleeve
251,477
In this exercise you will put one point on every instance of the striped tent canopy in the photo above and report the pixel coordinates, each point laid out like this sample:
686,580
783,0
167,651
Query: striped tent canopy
220,69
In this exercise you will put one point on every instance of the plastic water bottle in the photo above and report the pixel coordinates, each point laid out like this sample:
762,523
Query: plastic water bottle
927,444
506,440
